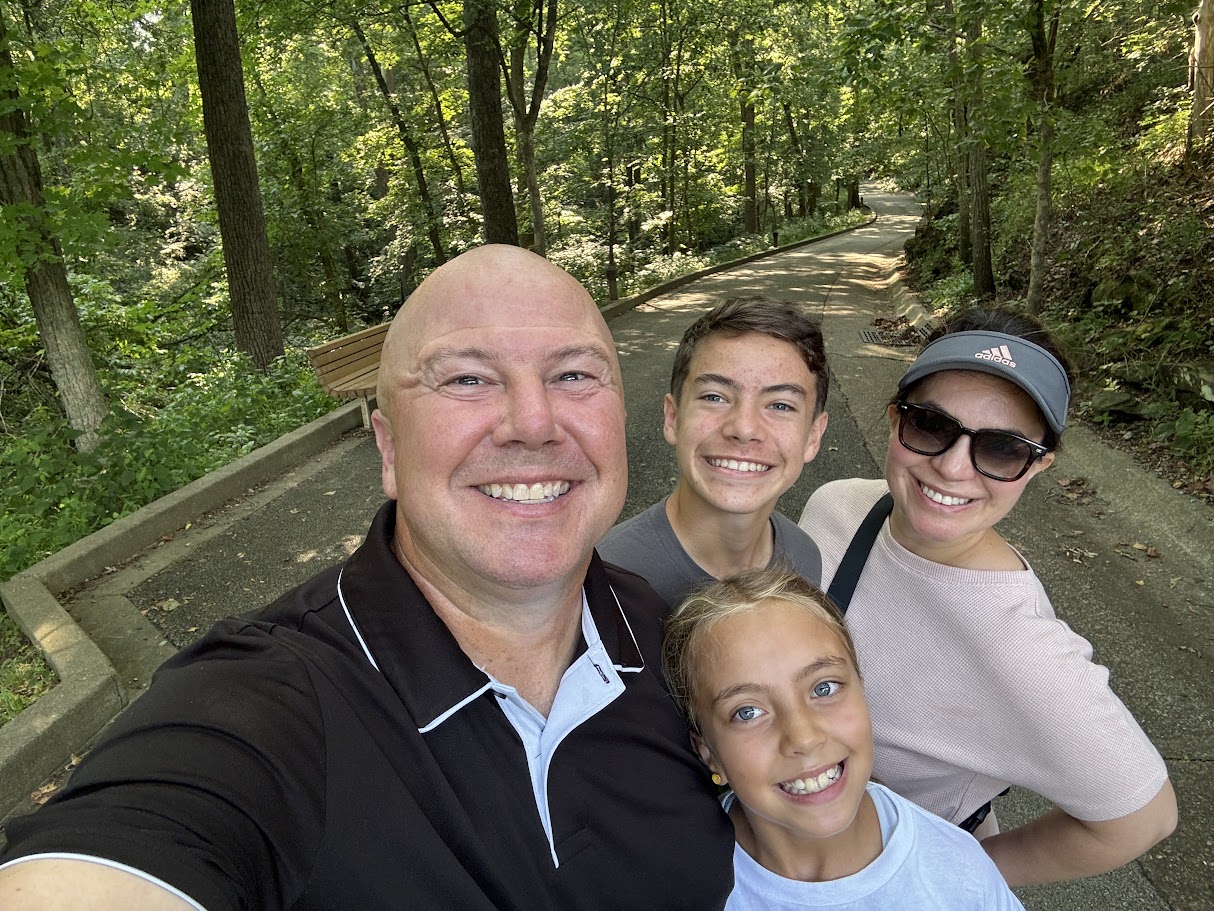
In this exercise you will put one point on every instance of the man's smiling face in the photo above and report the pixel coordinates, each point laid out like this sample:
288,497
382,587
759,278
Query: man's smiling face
744,425
502,436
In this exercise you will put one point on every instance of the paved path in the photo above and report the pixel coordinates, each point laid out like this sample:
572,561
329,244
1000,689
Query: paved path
1149,619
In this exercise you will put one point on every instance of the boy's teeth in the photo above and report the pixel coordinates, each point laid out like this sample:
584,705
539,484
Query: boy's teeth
737,465
940,498
813,785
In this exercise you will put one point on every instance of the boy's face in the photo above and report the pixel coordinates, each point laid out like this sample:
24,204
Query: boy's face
784,721
744,426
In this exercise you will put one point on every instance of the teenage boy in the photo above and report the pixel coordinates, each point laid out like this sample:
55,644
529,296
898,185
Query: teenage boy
745,413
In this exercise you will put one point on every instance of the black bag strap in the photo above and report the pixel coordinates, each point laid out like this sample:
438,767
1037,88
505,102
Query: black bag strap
843,585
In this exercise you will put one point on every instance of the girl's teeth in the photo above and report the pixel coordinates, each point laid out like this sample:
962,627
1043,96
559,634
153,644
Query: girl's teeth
813,785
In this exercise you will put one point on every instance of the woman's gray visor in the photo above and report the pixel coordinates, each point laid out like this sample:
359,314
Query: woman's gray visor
1022,362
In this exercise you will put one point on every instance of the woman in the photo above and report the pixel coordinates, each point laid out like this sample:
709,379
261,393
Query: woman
973,683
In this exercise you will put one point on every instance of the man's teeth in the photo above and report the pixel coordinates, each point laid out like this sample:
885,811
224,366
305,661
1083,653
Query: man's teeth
813,785
937,497
526,493
738,466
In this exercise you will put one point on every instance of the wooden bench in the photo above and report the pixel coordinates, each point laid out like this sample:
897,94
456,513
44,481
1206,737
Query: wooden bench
348,367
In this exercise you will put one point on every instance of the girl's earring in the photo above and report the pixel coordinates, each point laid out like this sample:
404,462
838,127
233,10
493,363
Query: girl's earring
717,779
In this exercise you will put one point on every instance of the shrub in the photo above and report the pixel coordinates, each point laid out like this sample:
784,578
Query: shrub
53,495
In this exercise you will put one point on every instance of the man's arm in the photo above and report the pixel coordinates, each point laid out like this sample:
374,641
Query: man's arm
1056,847
54,884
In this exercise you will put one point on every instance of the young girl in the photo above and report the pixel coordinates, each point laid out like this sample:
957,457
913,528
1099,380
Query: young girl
767,674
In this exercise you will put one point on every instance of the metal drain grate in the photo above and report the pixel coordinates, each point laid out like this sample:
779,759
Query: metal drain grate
907,337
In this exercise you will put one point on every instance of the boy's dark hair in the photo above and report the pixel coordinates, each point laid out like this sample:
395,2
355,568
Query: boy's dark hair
778,319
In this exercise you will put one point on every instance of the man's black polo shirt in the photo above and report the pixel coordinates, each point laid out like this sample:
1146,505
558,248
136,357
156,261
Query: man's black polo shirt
271,765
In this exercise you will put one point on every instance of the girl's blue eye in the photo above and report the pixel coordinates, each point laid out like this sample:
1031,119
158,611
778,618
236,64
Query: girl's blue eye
747,713
826,688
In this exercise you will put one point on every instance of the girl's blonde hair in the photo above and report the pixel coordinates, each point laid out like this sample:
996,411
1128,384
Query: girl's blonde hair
691,622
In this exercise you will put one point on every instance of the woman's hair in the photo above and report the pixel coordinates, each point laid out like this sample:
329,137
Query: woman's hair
1006,322
692,621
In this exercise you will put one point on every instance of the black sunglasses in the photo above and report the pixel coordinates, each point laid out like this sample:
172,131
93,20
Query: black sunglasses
999,455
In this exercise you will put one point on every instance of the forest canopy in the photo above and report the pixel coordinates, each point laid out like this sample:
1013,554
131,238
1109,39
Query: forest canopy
335,152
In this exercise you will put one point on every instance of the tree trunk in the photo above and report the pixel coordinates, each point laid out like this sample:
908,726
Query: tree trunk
1041,221
332,290
439,114
744,72
980,197
527,109
1043,89
633,178
613,271
1201,76
927,162
965,230
67,352
799,163
750,202
984,272
525,137
433,222
962,140
488,132
242,222
669,130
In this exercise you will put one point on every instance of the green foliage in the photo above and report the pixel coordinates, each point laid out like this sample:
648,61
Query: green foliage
1191,432
954,291
24,674
53,495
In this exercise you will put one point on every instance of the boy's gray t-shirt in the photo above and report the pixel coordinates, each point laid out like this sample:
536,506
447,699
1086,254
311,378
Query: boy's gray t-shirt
647,545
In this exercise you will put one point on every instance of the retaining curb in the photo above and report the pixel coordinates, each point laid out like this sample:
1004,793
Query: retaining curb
44,737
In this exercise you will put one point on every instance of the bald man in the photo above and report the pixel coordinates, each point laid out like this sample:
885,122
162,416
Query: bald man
466,714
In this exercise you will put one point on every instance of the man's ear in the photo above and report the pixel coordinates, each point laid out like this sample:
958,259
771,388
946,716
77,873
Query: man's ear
670,415
387,452
814,443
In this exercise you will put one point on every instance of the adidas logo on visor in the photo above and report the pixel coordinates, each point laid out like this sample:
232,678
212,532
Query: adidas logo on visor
1000,354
